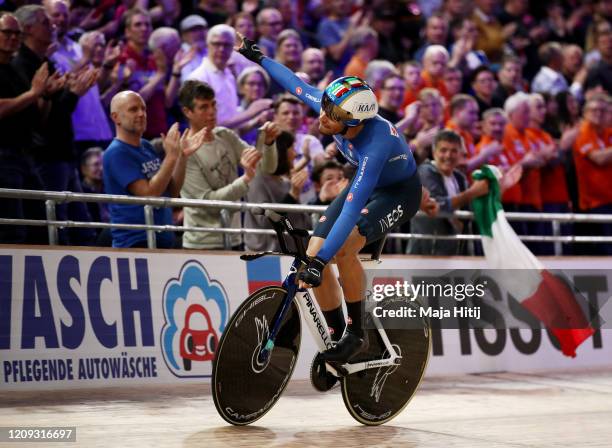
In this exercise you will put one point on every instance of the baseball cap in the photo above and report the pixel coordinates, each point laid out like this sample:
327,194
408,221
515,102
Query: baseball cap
193,21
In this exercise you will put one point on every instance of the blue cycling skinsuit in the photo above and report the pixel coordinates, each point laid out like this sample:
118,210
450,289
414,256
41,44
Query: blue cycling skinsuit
385,191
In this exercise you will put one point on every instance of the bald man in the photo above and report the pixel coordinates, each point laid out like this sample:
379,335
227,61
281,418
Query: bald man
133,168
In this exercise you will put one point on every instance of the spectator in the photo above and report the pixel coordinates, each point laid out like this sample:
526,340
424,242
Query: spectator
493,124
213,11
244,24
464,56
519,149
132,167
364,43
148,74
453,80
215,72
411,71
91,170
91,127
284,186
568,110
553,186
510,79
165,43
269,25
491,33
97,54
390,45
212,172
431,114
193,32
390,98
573,69
376,71
328,180
593,158
483,84
435,61
289,115
253,84
449,187
436,33
18,113
335,32
464,115
313,64
573,61
55,154
549,78
601,73
289,49
457,9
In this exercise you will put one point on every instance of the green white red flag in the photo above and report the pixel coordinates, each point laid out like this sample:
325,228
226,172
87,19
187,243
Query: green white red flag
546,296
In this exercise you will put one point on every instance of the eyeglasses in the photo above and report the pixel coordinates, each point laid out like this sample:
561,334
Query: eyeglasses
11,33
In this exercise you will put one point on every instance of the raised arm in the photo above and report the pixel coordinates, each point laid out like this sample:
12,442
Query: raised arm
282,75
310,95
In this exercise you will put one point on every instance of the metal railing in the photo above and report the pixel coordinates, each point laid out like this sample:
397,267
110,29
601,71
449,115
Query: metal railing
52,199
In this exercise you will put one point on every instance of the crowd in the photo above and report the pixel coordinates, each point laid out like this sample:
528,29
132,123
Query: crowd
149,98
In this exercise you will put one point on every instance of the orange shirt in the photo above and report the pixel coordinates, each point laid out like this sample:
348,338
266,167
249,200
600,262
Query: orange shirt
410,96
500,160
356,67
594,181
553,186
527,192
429,81
468,140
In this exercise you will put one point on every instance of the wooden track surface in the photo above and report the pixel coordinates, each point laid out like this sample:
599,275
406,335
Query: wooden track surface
486,410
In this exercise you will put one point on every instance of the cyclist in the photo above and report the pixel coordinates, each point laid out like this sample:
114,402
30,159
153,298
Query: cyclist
385,192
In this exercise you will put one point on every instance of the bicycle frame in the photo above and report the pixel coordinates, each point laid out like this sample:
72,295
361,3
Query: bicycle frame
315,321
311,312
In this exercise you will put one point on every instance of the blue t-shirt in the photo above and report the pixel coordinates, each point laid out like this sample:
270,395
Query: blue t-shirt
330,32
124,164
379,151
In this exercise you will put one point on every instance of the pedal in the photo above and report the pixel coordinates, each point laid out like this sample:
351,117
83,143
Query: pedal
320,378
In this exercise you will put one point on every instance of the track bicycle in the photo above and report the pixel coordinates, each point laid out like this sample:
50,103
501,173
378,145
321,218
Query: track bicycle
259,348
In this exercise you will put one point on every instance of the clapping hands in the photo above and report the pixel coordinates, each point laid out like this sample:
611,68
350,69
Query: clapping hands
176,144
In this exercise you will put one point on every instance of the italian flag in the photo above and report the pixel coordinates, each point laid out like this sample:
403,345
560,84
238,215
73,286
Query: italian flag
339,90
354,82
547,297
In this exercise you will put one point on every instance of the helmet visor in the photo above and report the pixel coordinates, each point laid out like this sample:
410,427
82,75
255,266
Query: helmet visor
334,112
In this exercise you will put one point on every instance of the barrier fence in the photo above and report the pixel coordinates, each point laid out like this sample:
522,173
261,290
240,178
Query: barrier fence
52,199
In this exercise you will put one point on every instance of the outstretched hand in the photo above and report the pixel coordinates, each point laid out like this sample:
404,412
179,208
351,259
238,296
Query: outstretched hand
248,48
